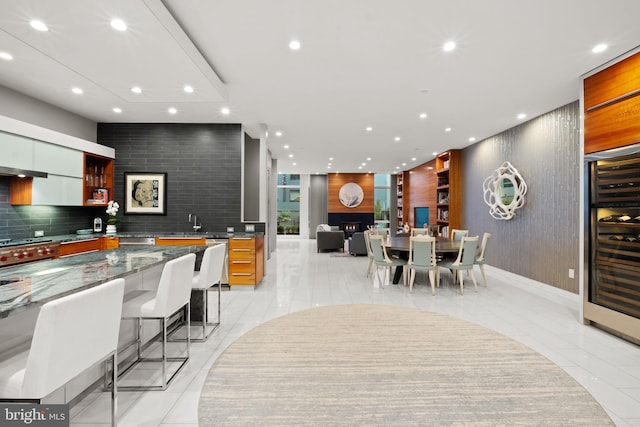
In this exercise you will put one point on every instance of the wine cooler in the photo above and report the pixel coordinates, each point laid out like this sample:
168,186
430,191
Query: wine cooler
612,256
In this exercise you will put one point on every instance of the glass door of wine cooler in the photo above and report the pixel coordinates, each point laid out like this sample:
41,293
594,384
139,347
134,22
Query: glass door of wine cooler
614,236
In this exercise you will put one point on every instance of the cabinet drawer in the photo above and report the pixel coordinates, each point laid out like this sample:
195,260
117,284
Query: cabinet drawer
238,243
243,254
83,246
242,267
242,279
180,241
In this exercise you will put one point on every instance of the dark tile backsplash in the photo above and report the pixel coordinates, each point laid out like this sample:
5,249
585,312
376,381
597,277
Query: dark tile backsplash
203,166
20,222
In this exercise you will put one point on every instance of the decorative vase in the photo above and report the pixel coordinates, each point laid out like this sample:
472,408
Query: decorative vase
112,229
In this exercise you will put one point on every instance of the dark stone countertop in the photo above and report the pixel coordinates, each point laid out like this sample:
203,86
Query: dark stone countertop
194,235
43,281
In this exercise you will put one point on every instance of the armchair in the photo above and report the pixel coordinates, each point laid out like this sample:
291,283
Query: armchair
330,240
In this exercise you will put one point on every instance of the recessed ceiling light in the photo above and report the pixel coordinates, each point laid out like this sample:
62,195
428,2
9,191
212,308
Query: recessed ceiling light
188,89
118,24
404,164
359,167
521,116
368,159
76,90
286,147
472,139
599,48
449,46
330,158
423,115
435,153
117,110
38,25
413,159
290,156
447,129
294,164
136,89
225,111
368,128
363,164
329,167
278,133
6,55
330,163
21,175
294,45
172,110
397,167
397,138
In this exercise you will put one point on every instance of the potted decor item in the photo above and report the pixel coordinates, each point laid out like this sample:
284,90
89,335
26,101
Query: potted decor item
112,222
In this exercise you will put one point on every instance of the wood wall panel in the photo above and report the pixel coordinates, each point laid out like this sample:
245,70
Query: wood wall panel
337,180
420,191
613,126
615,81
617,122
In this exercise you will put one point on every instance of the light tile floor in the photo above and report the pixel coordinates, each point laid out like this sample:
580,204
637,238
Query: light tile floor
543,318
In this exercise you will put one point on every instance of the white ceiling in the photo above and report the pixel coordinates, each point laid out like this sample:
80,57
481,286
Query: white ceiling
362,63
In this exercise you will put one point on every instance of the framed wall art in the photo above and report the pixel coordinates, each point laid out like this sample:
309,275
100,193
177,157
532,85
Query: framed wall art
145,193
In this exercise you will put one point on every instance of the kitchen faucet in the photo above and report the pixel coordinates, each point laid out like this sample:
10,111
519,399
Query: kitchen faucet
196,226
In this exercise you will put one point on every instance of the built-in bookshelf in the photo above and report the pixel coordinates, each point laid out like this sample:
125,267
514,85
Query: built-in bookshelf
448,191
400,197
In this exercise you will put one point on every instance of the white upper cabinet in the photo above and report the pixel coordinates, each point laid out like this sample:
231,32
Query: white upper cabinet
16,151
57,190
57,160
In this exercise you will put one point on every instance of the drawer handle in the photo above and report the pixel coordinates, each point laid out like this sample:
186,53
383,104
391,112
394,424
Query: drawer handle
241,274
242,238
241,262
241,250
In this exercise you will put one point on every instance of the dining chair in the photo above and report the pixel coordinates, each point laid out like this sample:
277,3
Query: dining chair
480,260
464,261
367,242
72,334
457,235
210,274
384,232
420,231
172,295
381,259
422,256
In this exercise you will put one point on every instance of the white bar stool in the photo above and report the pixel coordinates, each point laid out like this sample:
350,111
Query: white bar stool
173,294
210,274
72,334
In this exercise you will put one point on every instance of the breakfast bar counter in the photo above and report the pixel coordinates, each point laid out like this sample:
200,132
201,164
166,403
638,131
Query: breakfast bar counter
31,285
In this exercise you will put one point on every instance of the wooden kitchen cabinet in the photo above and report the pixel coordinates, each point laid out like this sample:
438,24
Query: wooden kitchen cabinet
181,241
246,260
98,180
110,242
79,246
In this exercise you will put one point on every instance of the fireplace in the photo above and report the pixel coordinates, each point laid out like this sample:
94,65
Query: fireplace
350,227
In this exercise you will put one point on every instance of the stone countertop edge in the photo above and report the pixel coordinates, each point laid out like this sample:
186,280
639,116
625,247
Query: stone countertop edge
208,235
47,280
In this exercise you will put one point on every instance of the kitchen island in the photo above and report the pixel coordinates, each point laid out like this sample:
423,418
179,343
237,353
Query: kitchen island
31,285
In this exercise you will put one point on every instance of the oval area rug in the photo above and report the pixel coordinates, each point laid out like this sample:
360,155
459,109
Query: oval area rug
382,365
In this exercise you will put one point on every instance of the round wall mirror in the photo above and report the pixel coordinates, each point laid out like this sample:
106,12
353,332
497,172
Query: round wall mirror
504,191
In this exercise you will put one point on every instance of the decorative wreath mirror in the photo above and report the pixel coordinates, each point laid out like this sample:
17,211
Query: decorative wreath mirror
504,191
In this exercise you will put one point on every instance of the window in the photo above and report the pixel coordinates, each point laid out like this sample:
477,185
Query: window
288,204
382,197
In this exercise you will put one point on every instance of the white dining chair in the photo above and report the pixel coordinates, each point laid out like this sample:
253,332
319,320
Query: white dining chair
422,256
72,334
464,262
367,242
172,295
381,259
480,260
457,235
420,231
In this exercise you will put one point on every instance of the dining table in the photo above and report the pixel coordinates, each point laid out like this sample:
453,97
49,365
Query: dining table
401,244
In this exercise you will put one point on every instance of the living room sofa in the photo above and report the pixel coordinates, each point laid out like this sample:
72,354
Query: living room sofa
357,245
330,240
